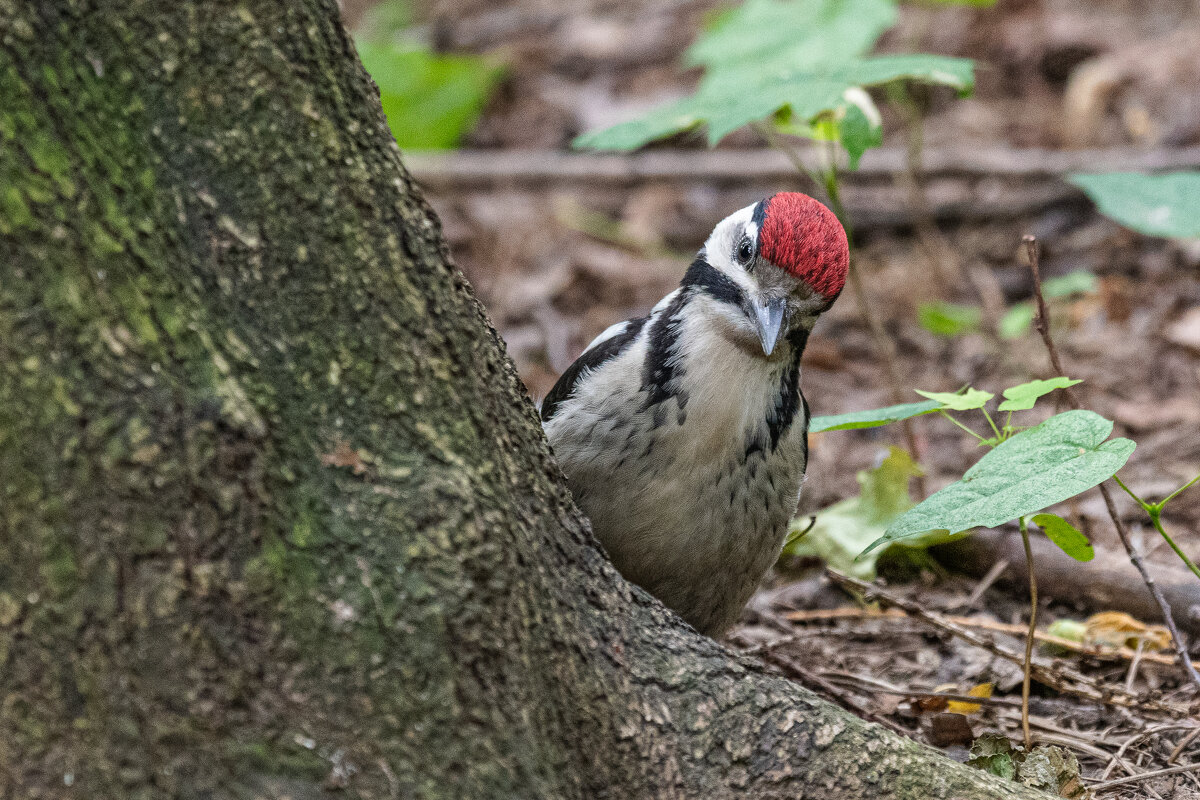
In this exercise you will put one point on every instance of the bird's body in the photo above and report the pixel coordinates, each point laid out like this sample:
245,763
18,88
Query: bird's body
683,434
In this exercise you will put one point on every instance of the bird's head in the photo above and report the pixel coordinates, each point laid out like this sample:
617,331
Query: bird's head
773,267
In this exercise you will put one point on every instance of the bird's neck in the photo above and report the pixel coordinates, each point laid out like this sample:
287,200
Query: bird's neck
724,387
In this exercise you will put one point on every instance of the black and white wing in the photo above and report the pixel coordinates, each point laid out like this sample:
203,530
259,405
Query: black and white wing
608,345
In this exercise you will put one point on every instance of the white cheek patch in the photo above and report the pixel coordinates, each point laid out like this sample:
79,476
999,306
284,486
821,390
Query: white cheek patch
722,241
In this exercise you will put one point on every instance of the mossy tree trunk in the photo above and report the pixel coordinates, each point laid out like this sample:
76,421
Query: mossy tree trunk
276,515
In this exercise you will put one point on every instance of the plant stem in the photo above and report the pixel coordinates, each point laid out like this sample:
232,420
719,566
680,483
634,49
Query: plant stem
1178,491
1154,510
1155,513
1033,607
995,430
1129,492
1042,322
946,414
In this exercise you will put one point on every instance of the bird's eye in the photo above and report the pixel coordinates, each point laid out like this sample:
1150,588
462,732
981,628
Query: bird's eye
745,251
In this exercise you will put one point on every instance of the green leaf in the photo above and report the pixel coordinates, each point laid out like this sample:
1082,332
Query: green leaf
774,34
859,133
1156,205
845,528
968,400
431,101
872,418
734,97
949,319
1016,321
1022,397
1066,536
1065,455
994,753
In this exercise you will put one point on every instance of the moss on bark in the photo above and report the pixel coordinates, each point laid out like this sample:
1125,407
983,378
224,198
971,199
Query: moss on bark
277,516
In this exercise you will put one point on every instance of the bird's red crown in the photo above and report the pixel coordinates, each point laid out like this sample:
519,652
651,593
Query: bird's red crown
803,237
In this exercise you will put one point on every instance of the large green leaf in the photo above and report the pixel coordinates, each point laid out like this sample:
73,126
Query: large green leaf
737,96
1065,455
871,418
1157,205
430,100
785,34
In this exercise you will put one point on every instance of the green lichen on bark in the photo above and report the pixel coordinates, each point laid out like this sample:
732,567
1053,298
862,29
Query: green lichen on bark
277,516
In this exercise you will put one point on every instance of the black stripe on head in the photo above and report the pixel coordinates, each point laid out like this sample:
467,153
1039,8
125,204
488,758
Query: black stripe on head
588,360
704,277
760,213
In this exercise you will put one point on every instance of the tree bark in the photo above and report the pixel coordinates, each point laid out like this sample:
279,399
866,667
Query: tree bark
278,518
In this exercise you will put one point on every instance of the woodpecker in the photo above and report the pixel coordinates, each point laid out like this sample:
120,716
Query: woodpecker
683,434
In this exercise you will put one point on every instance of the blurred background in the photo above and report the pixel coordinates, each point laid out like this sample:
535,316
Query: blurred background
559,242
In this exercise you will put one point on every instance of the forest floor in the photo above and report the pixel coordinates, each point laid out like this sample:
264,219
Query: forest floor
558,256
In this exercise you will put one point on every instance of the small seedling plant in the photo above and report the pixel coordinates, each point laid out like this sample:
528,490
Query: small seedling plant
1025,471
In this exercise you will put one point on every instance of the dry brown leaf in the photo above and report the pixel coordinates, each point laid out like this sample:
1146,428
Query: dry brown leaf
1118,629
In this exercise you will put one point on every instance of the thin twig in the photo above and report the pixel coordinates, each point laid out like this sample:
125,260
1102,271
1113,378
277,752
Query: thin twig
1179,748
1090,650
1042,322
1060,678
875,685
1117,757
1029,635
986,582
1131,675
1145,776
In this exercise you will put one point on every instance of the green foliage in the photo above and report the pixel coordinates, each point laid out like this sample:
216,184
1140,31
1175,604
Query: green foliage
1066,536
1054,770
1023,396
949,319
800,62
1046,767
966,401
431,101
777,35
844,529
1065,455
994,753
872,418
859,131
1156,205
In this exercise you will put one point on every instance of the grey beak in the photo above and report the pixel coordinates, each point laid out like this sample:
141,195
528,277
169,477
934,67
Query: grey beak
769,321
